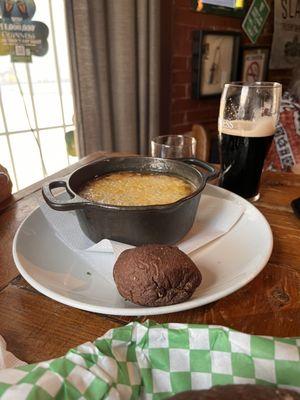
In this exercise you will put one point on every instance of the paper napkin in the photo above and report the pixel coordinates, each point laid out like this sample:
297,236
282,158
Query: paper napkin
7,359
215,217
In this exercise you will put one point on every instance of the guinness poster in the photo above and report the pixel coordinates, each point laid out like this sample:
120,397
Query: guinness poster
285,51
20,37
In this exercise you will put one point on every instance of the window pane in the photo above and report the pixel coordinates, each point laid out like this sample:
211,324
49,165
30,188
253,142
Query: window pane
27,158
44,77
14,107
63,58
2,129
43,68
8,85
13,103
21,73
54,149
67,99
5,159
60,29
47,104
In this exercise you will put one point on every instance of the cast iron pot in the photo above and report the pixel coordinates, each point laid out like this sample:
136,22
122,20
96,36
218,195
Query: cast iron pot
164,224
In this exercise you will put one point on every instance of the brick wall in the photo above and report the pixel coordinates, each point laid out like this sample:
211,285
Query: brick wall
184,111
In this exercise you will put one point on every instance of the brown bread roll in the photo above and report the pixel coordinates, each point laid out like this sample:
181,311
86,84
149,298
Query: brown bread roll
239,392
156,275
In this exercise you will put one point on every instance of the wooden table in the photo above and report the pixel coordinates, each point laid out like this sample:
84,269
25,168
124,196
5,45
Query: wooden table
37,328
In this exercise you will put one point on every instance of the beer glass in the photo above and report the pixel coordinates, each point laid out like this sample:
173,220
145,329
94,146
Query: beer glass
173,146
247,122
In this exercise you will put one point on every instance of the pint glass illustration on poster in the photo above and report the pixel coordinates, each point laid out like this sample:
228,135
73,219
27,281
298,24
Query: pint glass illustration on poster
285,52
20,37
254,64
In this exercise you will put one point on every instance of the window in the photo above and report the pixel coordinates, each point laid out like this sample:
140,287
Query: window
36,105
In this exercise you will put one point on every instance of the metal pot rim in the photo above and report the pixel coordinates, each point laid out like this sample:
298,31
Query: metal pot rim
86,202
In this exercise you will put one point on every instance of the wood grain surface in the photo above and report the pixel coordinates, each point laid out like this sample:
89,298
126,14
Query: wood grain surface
37,328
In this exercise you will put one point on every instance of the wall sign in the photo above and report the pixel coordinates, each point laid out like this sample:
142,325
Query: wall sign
254,64
285,52
232,8
255,19
19,35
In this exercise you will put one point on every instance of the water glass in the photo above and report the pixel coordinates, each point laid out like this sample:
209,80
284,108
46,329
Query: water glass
173,146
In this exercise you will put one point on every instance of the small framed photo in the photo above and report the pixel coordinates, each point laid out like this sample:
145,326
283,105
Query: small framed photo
255,63
215,61
231,8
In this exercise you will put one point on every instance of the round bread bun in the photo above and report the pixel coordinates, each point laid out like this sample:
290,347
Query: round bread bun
156,275
239,392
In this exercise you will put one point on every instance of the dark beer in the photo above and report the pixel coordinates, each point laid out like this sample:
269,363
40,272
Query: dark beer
243,152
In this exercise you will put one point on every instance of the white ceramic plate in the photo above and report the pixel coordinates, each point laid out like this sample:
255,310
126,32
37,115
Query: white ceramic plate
85,281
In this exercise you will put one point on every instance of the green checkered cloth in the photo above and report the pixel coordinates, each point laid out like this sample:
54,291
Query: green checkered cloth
152,361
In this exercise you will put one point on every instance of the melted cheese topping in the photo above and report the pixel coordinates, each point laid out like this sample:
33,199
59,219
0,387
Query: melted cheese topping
135,189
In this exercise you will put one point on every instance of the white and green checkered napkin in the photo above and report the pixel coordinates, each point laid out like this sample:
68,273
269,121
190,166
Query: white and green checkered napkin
152,361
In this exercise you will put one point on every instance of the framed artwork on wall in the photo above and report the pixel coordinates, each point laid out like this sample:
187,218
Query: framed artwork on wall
255,61
231,8
214,61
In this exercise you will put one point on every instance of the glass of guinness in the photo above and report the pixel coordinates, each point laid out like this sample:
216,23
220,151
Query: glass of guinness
247,121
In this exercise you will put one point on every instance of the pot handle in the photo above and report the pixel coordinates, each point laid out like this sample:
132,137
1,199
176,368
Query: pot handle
75,203
211,171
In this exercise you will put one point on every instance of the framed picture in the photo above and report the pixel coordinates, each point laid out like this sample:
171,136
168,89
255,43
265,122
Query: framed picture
214,62
231,8
255,62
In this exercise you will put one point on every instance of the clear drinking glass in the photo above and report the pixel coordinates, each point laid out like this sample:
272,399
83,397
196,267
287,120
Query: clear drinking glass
173,146
247,121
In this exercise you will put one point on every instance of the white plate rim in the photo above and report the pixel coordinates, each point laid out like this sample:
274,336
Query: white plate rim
141,311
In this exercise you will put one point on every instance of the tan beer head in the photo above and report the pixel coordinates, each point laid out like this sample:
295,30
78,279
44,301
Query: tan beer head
261,127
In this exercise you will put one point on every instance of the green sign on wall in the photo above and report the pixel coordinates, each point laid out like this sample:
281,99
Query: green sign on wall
255,19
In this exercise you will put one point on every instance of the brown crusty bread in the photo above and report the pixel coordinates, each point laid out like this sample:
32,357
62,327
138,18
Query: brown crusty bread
156,275
239,392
